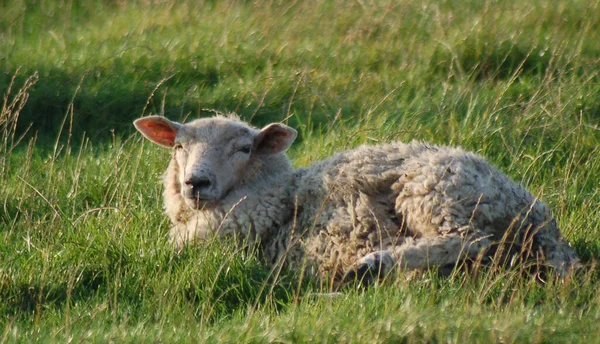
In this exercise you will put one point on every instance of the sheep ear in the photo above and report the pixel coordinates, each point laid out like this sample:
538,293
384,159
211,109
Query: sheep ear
274,138
158,129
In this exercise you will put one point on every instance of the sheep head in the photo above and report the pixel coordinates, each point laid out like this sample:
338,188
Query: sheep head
213,155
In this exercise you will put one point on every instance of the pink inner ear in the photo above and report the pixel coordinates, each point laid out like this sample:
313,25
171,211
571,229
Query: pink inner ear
166,137
274,139
277,140
158,132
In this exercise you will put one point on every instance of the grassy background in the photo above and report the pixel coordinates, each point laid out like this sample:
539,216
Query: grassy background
83,250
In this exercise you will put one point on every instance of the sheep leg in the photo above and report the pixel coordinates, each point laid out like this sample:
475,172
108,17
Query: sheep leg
419,254
372,267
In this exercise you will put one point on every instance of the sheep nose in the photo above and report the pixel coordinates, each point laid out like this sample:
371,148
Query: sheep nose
198,183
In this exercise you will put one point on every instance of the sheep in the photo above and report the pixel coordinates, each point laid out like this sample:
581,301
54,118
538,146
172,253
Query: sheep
361,213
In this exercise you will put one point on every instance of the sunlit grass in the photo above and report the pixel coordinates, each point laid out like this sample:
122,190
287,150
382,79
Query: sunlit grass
83,242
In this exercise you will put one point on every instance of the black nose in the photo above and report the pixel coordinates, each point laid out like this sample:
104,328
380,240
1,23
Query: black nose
198,183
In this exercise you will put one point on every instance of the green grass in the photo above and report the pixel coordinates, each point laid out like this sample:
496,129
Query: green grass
83,242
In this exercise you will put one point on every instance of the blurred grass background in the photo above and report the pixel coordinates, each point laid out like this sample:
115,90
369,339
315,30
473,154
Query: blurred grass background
83,251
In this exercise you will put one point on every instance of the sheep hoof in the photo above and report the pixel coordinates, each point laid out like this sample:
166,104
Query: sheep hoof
369,269
362,276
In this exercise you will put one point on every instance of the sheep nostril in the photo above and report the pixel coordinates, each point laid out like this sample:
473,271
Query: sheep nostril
198,183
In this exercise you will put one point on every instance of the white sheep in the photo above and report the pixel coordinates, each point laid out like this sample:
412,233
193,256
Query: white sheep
357,214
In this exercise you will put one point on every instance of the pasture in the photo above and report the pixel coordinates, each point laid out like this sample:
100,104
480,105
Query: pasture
84,255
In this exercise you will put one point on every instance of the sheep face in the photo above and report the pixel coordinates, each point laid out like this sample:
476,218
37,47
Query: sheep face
214,155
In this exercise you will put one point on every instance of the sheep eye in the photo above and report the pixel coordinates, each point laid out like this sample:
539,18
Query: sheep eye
178,146
245,149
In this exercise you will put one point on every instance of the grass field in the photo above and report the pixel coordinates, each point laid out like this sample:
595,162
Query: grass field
84,255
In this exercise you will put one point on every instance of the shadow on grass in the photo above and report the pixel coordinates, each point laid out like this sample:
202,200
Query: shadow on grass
489,58
99,100
24,298
238,282
102,103
587,251
214,281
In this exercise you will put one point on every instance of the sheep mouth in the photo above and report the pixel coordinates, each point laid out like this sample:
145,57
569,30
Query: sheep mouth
200,203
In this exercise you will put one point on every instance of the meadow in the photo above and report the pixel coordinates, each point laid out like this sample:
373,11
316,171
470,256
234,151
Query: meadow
84,254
